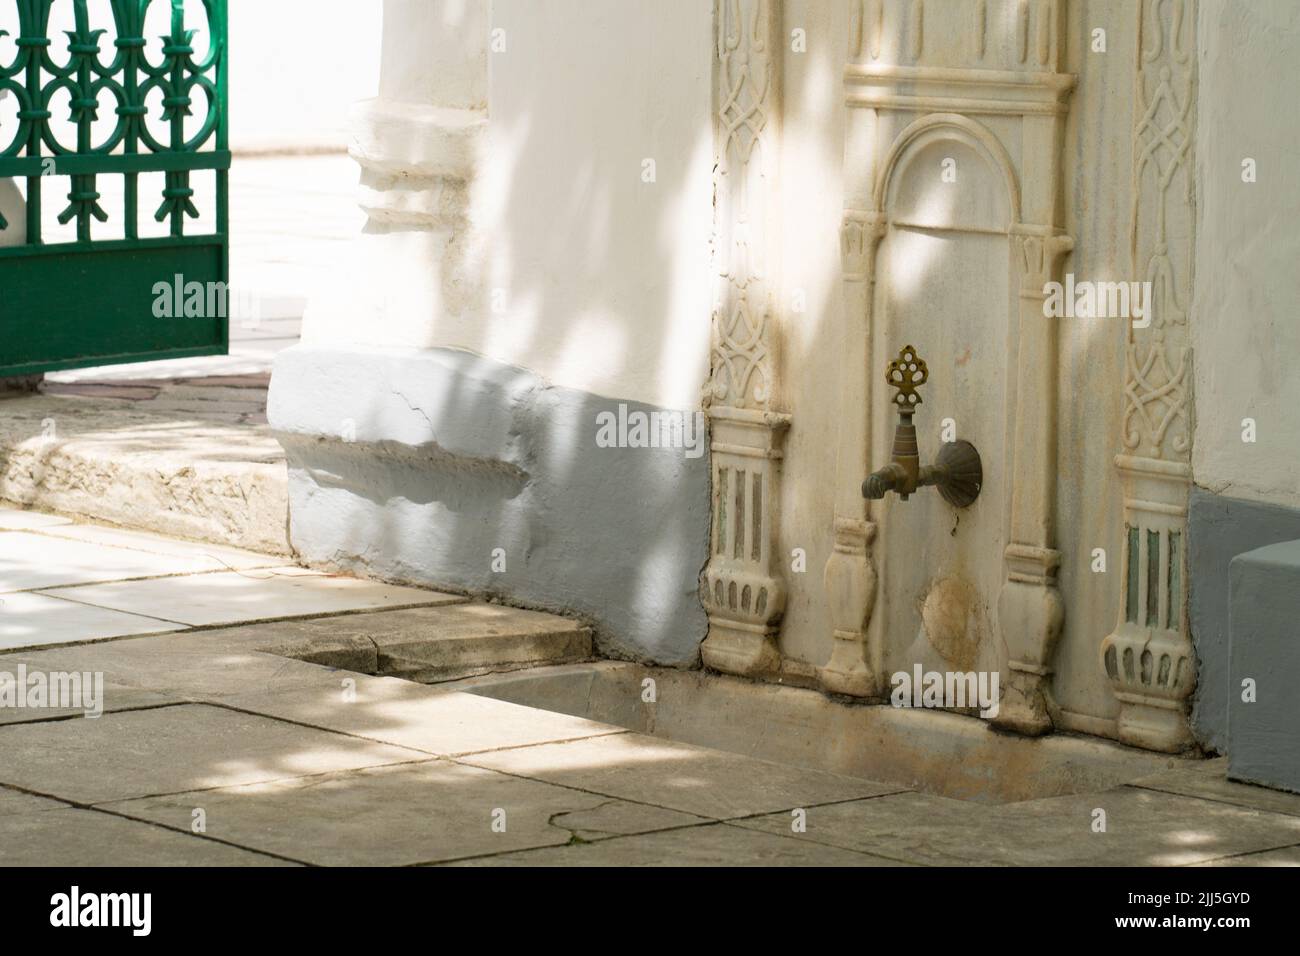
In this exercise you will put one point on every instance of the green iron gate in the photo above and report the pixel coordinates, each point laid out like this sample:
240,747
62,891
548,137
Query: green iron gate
101,300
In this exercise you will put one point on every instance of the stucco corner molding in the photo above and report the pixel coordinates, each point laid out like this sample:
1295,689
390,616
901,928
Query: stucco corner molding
416,139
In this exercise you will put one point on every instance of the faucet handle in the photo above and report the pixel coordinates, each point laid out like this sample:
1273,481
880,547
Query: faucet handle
907,373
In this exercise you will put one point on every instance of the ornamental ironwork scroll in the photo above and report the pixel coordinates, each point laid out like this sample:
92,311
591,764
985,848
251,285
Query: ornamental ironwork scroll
144,83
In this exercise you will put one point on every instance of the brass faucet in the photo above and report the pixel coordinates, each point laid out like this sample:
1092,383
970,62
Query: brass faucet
957,472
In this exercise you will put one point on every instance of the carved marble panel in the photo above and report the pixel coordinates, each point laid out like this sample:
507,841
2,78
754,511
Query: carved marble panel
956,266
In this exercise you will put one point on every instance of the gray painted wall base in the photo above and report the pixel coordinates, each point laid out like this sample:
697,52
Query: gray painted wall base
417,465
1264,735
1219,529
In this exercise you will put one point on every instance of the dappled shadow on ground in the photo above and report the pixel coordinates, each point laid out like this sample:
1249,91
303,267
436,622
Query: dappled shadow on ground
310,764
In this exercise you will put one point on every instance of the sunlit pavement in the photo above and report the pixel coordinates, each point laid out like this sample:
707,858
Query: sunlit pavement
195,740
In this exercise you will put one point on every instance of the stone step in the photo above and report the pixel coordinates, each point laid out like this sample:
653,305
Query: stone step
121,462
434,644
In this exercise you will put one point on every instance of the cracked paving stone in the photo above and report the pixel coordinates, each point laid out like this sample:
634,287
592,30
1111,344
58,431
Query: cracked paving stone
392,816
612,818
709,783
716,844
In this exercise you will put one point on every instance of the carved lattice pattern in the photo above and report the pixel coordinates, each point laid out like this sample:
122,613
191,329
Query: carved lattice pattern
1157,383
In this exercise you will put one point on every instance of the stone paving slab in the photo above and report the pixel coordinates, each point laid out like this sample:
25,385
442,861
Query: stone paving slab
15,519
17,802
185,666
79,838
173,749
955,756
118,461
1155,829
35,620
200,392
460,639
140,391
423,718
227,597
611,818
257,381
212,557
244,661
691,779
343,652
1289,856
1209,782
888,825
29,561
393,816
717,844
283,787
112,695
181,400
296,634
292,756
117,698
1143,828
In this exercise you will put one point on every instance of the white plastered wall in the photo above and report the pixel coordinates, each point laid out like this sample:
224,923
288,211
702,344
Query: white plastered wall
570,263
1246,331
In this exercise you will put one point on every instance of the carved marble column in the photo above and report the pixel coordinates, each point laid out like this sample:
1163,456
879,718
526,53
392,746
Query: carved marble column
1149,656
850,576
1030,611
742,588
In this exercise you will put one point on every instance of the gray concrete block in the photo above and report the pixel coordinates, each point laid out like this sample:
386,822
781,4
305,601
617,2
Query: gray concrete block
1219,529
1264,638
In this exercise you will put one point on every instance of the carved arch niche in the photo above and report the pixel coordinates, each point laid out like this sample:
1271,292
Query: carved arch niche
949,195
944,270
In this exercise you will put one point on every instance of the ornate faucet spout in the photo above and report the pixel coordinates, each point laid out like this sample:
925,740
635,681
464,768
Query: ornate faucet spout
957,472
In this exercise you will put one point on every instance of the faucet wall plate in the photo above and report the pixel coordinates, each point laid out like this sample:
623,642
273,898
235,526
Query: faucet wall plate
964,473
